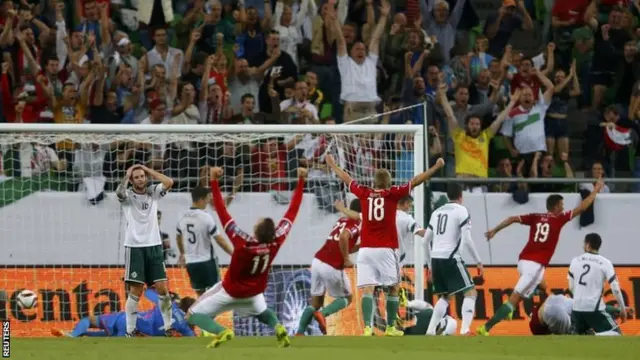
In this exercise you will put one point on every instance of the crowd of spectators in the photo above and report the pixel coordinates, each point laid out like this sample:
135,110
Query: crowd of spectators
495,107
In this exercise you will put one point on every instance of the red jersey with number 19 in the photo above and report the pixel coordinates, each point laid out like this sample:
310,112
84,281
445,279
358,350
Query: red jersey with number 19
248,270
544,233
379,214
330,253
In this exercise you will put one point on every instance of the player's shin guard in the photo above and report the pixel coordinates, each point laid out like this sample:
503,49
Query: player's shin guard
81,327
337,305
502,313
393,302
165,309
468,310
131,312
268,317
305,319
367,309
439,311
206,323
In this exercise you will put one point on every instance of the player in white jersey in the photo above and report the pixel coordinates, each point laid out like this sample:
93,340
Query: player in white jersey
587,276
144,257
450,227
198,227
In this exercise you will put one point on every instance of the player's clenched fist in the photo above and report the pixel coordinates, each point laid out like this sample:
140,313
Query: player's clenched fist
215,173
302,172
330,160
440,162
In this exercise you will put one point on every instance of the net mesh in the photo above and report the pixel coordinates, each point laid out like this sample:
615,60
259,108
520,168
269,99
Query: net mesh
63,225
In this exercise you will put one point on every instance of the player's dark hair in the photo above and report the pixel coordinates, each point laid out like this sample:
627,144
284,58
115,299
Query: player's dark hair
553,200
266,231
594,240
199,192
355,205
454,192
185,303
382,179
405,199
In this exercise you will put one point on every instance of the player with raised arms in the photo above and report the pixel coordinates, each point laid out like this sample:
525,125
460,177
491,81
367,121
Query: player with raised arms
378,263
544,233
144,255
200,229
327,272
587,276
242,288
449,228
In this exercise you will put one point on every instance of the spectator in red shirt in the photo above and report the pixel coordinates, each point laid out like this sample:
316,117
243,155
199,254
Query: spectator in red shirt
269,162
526,78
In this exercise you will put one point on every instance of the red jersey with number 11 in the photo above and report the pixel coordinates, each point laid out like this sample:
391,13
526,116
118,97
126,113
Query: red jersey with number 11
544,233
379,214
248,270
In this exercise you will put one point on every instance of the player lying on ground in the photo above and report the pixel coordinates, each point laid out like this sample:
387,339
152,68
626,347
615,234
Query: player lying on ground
378,263
149,323
553,316
244,283
144,255
544,233
327,272
407,229
587,276
423,314
450,227
200,230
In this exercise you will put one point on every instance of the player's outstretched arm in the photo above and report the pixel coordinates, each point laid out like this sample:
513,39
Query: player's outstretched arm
218,202
341,174
422,177
504,224
353,215
167,182
588,201
471,246
296,200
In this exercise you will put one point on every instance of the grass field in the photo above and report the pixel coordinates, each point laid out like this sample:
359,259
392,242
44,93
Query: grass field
332,348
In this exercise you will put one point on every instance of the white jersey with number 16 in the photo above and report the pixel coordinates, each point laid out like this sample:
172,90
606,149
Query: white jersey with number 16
590,272
447,223
141,217
197,227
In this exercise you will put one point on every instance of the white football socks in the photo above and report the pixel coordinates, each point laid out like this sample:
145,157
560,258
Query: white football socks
131,312
165,309
468,310
439,311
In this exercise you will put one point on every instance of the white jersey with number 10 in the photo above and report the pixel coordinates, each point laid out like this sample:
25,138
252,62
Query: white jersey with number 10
141,216
197,227
589,273
447,223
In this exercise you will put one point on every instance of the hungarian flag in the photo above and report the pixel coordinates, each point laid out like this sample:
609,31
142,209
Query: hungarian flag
616,138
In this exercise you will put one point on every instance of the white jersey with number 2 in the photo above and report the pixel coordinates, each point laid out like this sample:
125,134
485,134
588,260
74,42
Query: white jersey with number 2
447,223
590,272
141,216
197,227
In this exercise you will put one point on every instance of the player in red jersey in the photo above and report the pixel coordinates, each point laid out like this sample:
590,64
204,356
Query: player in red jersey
327,272
245,281
378,262
544,233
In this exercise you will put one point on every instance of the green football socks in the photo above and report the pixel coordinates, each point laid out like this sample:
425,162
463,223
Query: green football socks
268,317
335,306
305,319
393,302
502,313
206,323
367,309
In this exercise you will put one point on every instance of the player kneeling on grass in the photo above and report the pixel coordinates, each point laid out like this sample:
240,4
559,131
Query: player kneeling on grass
149,323
450,227
243,286
587,276
327,272
423,314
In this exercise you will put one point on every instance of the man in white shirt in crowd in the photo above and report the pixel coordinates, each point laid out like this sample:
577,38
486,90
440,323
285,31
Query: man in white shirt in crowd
358,70
524,127
164,54
298,109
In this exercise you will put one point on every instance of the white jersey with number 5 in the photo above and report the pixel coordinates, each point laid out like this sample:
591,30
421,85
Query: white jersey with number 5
590,272
197,227
407,228
141,216
447,223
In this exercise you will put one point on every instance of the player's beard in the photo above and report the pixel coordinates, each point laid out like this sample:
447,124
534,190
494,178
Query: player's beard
139,188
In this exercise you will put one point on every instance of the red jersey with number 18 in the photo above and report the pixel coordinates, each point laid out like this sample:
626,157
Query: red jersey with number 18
248,270
330,253
544,233
379,214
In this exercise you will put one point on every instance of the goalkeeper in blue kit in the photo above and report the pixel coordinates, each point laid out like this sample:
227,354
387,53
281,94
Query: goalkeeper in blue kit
149,323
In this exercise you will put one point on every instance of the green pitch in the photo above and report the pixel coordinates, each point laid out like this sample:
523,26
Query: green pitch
332,348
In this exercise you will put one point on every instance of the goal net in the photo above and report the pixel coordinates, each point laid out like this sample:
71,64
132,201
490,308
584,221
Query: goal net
62,225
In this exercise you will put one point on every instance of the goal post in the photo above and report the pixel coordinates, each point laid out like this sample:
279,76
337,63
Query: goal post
64,228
